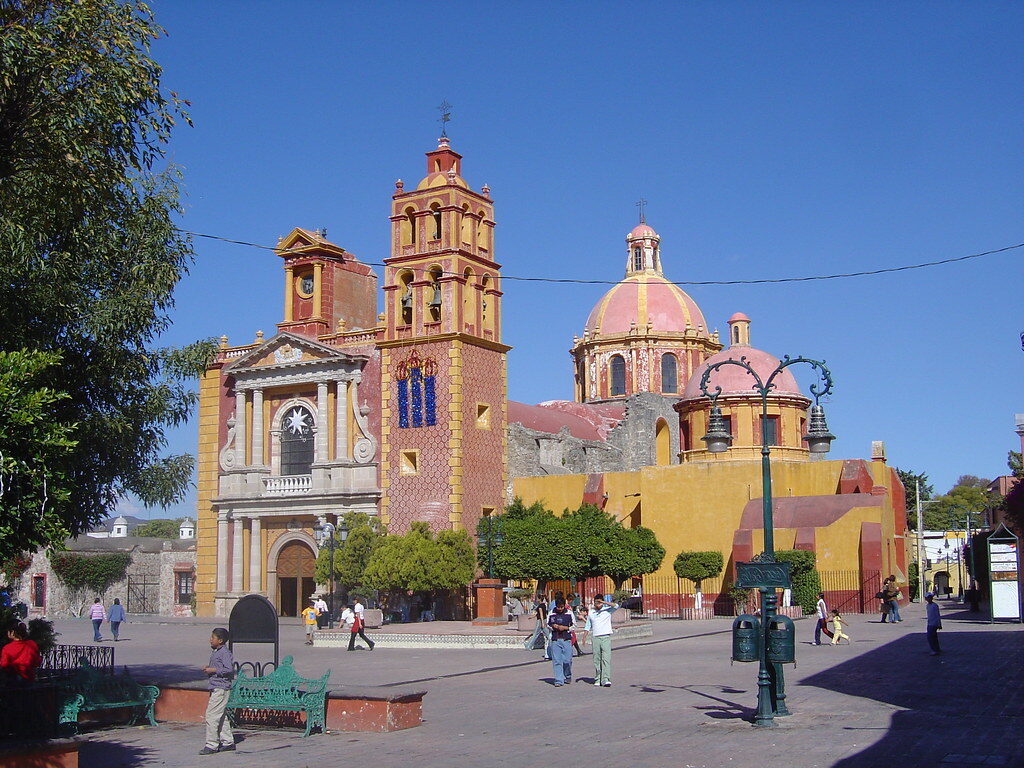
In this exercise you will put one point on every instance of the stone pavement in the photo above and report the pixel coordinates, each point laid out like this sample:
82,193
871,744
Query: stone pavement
676,701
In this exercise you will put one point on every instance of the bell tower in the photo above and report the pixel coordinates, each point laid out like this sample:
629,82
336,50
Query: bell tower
443,363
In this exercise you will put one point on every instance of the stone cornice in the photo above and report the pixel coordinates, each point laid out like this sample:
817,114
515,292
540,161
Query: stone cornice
464,337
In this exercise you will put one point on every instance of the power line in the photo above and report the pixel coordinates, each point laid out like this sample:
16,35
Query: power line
763,281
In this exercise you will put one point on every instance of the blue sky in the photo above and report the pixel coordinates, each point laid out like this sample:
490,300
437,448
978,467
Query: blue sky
771,140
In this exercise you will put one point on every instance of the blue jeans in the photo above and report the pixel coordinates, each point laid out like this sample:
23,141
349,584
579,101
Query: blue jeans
818,626
933,639
894,609
561,660
96,624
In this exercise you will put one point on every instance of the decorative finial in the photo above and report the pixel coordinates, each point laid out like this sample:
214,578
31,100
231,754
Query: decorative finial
399,185
446,115
342,324
641,204
321,232
259,337
486,189
224,341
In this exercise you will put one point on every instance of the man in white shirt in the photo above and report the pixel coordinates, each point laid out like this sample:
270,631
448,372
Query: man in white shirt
822,618
322,612
599,625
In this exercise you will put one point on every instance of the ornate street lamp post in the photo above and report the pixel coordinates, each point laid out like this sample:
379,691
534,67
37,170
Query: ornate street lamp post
771,689
325,535
494,538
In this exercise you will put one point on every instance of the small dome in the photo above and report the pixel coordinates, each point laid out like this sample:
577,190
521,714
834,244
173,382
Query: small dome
646,298
734,380
119,520
642,230
738,317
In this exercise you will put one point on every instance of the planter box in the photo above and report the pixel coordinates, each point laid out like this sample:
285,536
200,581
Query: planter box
620,616
526,623
374,618
693,614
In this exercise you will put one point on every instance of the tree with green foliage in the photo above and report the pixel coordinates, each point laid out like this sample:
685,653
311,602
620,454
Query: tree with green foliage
89,258
421,562
34,447
352,555
536,544
911,482
158,529
89,574
39,630
803,575
969,496
697,566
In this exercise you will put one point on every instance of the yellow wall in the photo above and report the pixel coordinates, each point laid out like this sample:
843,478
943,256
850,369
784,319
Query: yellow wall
206,486
698,506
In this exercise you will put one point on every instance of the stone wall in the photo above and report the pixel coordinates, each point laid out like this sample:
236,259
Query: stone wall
154,563
629,446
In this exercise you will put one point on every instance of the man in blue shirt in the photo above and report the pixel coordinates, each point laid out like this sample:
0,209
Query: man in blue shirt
561,622
221,671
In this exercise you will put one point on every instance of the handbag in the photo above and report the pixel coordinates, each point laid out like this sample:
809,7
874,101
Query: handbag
880,596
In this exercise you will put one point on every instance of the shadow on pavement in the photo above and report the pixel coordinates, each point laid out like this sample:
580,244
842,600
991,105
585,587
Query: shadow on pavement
113,754
955,708
161,674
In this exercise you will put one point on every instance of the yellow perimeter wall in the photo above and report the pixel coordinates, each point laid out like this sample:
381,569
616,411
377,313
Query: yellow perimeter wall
699,506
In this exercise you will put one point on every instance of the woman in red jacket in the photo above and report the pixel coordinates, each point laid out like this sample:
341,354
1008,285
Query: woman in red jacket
20,657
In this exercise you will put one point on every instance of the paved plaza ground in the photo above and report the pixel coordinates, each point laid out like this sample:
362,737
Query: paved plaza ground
676,701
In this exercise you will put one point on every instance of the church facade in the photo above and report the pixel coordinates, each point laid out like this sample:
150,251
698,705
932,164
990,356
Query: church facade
403,413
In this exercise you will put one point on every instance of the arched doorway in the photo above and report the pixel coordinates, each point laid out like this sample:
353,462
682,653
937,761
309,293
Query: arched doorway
295,581
942,584
663,444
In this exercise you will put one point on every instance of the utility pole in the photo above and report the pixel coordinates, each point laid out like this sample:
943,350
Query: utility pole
920,543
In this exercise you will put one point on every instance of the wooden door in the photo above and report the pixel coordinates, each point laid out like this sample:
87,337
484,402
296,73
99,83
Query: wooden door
295,567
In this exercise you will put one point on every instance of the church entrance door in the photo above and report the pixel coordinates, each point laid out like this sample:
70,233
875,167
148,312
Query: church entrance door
295,581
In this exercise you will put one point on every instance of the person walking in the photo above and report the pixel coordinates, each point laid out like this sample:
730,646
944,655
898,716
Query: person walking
98,615
838,622
541,629
599,625
357,627
934,623
221,670
883,597
561,622
894,595
311,620
115,617
323,613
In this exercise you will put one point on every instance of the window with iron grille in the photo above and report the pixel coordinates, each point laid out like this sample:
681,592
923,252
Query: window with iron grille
183,587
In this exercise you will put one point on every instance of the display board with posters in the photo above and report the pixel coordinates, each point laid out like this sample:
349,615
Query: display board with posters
1004,574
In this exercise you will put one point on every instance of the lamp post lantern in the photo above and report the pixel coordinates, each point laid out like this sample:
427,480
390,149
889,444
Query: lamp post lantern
771,689
325,535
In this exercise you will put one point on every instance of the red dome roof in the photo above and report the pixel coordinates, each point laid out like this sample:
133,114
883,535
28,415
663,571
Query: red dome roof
646,298
735,380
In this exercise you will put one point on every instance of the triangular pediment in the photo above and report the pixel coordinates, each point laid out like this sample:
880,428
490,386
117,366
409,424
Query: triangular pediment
302,242
286,349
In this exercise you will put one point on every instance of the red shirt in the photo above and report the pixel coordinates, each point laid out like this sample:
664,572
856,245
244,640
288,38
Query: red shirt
21,657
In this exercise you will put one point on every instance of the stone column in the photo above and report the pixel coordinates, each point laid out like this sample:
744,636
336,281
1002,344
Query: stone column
236,553
341,419
222,552
255,555
321,422
240,420
257,428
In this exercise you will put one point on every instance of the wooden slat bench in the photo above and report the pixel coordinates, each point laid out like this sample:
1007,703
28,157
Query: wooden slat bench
90,689
281,691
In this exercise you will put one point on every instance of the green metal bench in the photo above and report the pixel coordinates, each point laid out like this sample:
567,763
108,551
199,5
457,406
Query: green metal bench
282,691
89,689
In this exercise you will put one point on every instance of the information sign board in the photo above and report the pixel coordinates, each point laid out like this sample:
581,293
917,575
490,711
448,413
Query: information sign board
758,575
1004,574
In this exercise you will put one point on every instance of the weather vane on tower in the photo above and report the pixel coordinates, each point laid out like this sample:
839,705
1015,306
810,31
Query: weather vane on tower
641,204
446,115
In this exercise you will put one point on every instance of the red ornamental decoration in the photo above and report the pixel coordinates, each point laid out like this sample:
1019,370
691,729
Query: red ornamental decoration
427,367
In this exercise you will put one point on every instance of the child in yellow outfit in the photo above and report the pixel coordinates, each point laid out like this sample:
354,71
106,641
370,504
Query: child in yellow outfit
309,614
837,628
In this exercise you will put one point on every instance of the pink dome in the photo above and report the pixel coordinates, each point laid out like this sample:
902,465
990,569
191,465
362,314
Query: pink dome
734,380
641,230
646,298
738,317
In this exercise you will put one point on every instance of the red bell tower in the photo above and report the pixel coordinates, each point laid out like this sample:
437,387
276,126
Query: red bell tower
443,364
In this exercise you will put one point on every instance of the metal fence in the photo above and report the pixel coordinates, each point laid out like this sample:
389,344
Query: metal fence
64,659
669,597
